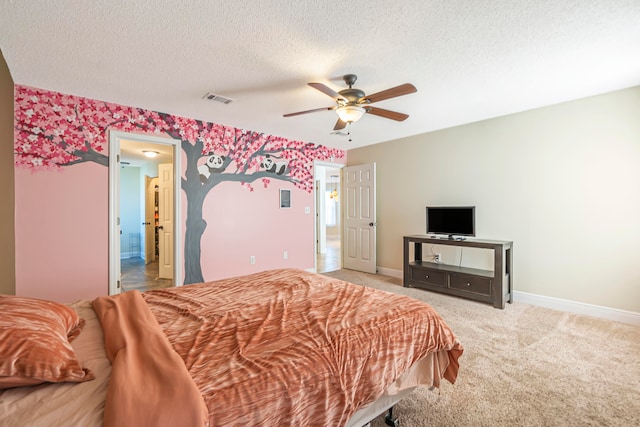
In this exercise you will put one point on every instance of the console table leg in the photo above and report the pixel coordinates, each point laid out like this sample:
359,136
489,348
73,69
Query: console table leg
417,251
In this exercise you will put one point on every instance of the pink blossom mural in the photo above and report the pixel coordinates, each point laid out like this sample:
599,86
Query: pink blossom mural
54,130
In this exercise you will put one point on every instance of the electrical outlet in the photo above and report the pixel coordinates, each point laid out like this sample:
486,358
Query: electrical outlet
437,257
252,259
285,255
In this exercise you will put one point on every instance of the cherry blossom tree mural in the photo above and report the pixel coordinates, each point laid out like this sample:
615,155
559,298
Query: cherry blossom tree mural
54,130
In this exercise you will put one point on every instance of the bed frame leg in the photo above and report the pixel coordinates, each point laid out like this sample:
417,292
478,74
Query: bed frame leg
390,420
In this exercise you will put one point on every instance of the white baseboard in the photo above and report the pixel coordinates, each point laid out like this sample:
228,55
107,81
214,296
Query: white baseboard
568,306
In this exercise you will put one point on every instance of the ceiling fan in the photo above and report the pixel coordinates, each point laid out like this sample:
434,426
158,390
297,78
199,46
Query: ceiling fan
352,103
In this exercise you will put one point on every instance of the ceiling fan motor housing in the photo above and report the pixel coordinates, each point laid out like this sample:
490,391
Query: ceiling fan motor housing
353,95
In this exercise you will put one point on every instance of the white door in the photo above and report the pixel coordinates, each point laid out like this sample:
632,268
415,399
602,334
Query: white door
149,220
165,220
359,208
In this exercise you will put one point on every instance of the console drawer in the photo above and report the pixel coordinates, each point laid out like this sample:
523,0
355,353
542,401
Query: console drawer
429,277
477,285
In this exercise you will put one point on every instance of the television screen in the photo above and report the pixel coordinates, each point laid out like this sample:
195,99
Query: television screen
458,220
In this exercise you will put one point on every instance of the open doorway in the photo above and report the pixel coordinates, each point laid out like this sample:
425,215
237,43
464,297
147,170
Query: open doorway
143,214
140,216
328,218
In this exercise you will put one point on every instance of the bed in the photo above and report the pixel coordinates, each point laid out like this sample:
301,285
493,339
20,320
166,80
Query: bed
277,348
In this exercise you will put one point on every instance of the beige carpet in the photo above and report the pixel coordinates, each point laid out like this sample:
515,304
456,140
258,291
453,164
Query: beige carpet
525,366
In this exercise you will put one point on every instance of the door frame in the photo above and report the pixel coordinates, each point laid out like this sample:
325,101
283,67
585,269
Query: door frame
114,203
317,177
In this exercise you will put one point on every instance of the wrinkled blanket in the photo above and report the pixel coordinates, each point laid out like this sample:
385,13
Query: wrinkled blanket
292,348
149,384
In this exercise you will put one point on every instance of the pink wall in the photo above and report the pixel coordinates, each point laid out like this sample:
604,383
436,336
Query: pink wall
62,233
236,231
62,206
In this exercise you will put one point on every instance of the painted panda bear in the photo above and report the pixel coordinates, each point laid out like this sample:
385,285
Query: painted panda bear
214,164
270,165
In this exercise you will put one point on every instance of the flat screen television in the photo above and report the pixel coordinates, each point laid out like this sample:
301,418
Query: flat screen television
451,220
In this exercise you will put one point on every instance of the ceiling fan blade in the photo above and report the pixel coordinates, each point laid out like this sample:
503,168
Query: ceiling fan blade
327,91
340,125
309,111
390,93
387,114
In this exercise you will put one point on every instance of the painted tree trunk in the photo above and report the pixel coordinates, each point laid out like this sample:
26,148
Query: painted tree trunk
195,223
195,226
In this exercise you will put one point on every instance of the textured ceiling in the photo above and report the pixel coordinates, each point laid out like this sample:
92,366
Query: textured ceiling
469,59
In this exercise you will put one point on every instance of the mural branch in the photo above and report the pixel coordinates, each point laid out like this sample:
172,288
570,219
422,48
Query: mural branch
54,130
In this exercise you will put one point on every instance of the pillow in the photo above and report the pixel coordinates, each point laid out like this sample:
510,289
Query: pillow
35,337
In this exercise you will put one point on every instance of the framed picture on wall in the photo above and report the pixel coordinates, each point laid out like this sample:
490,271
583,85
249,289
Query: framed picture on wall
285,198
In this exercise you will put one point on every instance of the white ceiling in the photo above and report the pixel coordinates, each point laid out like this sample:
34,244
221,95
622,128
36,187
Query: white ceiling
132,153
469,59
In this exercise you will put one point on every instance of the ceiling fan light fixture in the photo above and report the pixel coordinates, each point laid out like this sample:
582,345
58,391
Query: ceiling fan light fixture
350,113
150,154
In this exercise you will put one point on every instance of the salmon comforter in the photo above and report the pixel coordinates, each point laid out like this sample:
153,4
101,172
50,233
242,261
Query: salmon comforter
277,348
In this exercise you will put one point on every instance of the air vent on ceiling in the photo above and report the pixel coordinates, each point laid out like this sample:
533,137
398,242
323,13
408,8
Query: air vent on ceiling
219,98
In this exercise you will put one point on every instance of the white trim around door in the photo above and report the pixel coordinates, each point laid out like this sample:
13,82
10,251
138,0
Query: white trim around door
114,204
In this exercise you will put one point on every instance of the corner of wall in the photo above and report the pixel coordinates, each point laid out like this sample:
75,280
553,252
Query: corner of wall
7,178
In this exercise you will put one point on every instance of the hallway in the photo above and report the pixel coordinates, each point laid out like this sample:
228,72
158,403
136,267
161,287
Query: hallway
329,261
136,275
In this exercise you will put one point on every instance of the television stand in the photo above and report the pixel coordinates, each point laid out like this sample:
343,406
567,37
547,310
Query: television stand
494,287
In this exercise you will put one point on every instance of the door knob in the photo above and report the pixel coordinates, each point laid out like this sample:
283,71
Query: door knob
160,227
146,223
372,224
